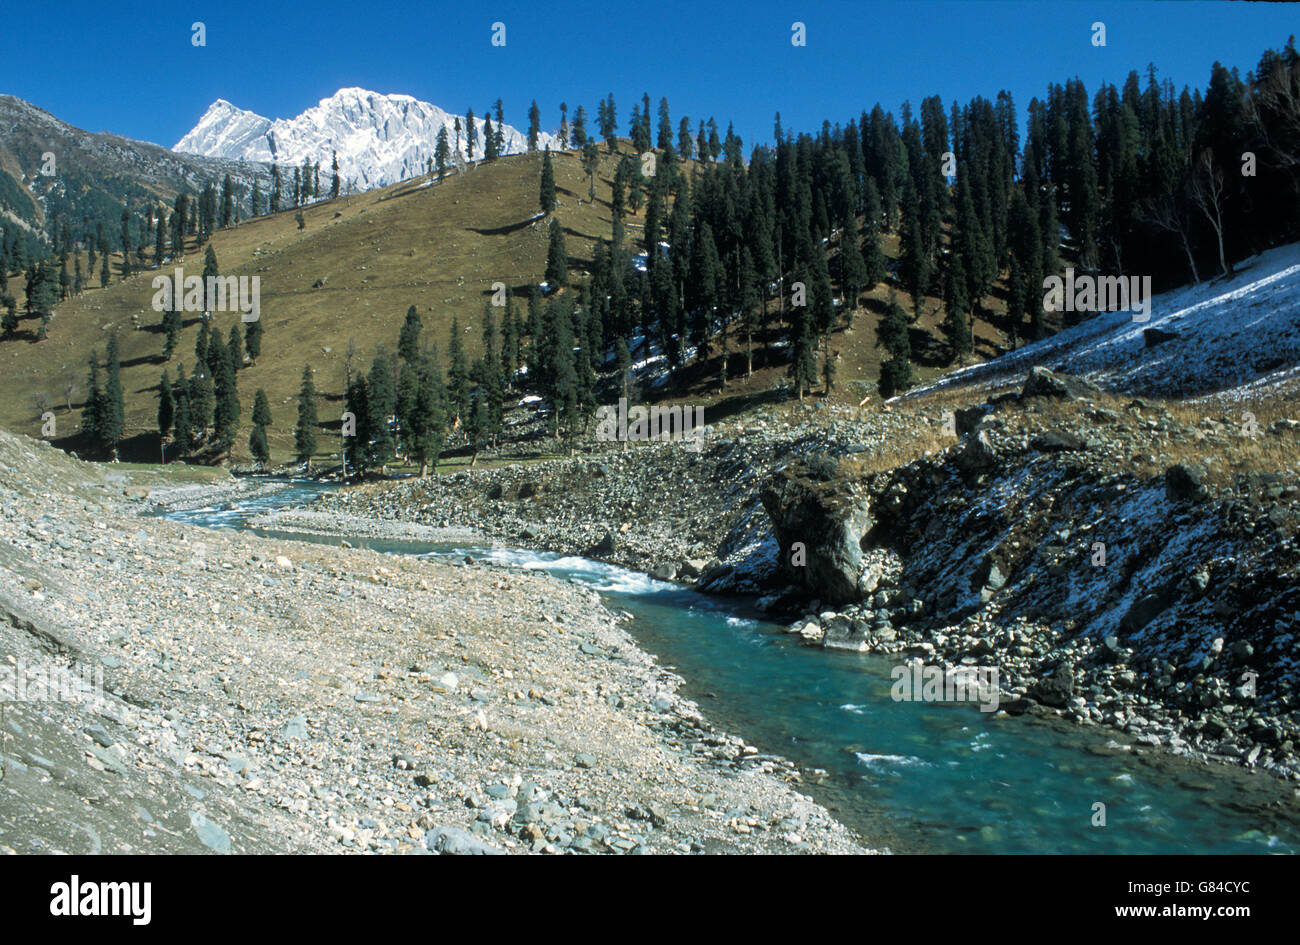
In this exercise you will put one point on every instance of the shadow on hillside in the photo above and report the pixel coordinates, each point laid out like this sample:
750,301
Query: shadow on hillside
927,350
504,230
157,358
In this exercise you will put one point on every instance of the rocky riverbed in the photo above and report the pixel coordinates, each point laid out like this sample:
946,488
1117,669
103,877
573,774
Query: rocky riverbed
1120,562
279,696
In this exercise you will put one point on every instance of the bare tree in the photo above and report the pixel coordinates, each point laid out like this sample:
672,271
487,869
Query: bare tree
348,355
1205,187
1168,213
1273,110
69,388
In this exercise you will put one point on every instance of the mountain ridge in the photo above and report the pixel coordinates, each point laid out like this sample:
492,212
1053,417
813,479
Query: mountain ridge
380,138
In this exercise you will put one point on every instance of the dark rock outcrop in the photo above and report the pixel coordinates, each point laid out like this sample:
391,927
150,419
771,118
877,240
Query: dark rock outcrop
819,525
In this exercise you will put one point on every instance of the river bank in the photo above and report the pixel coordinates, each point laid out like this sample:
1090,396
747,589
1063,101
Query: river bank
1092,548
277,696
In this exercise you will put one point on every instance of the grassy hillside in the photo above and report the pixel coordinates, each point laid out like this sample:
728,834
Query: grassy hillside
347,278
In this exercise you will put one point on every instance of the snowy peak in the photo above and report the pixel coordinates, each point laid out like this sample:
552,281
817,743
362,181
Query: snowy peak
380,139
223,130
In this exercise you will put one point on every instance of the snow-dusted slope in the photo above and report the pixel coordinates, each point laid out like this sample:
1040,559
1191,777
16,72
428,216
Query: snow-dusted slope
1230,336
380,139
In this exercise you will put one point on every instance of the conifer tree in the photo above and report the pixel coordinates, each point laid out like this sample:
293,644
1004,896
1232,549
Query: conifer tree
534,125
956,324
166,407
557,258
357,451
546,193
210,270
225,415
408,342
335,184
382,405
253,340
111,414
91,414
304,434
489,138
235,348
441,153
427,430
182,431
458,375
896,372
509,343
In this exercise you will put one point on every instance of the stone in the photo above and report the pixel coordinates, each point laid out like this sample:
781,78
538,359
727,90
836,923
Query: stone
1055,690
828,520
1185,483
1058,441
1157,336
455,841
1041,382
210,834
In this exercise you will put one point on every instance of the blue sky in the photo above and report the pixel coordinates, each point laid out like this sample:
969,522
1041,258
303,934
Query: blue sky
132,69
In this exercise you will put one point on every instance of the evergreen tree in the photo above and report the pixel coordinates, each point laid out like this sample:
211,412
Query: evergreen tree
442,153
202,400
609,123
557,258
182,432
334,180
489,139
253,340
235,348
427,424
408,343
304,434
471,133
92,414
509,343
896,372
956,324
534,125
382,405
546,195
112,414
458,377
225,416
166,406
357,450
257,446
210,270
159,248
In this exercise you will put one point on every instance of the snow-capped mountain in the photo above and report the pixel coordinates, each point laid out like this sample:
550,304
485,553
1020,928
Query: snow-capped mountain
380,139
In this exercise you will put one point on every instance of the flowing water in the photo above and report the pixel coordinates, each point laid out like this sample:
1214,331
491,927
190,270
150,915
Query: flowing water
910,776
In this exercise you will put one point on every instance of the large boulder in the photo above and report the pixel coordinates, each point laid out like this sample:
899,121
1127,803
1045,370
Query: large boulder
1185,483
819,523
1042,382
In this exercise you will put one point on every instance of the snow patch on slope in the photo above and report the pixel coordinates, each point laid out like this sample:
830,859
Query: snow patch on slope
1230,334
